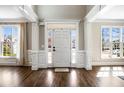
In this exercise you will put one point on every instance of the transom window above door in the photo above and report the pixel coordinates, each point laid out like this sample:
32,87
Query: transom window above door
112,42
9,37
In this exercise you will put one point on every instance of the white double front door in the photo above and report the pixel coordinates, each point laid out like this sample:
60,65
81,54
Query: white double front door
61,54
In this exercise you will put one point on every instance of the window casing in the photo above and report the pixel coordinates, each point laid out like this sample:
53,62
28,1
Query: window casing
112,42
9,40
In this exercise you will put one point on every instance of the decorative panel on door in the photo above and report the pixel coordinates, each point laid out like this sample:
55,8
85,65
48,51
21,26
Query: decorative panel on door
61,48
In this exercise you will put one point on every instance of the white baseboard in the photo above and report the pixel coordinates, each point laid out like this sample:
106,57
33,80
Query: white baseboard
106,63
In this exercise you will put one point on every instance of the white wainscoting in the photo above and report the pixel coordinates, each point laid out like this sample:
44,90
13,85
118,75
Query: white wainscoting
28,58
42,63
80,59
38,60
32,56
42,60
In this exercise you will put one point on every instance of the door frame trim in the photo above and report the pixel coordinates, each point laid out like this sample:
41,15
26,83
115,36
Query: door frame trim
46,33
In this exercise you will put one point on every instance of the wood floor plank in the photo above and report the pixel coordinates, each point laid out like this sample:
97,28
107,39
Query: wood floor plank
105,76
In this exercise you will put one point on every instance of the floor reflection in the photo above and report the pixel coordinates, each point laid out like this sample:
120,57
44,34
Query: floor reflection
110,71
7,78
73,78
49,78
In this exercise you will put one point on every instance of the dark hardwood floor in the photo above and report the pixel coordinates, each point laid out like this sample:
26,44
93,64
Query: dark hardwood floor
112,76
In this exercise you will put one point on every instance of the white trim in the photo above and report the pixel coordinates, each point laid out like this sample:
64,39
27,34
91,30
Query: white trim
35,45
108,21
96,11
77,39
28,13
106,63
46,42
4,57
88,43
60,20
19,20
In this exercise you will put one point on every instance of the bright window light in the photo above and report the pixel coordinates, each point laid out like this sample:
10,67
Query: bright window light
9,40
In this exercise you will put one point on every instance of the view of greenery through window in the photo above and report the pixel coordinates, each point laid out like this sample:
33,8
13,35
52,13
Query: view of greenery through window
8,40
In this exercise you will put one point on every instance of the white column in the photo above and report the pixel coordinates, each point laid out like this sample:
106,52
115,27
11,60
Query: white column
88,44
35,45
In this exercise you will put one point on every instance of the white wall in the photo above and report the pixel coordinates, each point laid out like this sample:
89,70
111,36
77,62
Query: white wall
29,36
61,11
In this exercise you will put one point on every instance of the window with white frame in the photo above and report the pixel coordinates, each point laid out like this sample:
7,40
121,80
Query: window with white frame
9,37
112,38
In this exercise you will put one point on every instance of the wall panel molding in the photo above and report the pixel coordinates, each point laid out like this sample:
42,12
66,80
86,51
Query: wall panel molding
42,63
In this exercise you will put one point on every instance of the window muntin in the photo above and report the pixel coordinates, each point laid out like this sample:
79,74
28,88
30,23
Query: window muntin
9,40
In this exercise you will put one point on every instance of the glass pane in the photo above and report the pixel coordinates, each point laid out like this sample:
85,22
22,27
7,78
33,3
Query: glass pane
123,40
115,42
50,46
49,39
73,46
14,40
105,43
1,40
73,39
7,43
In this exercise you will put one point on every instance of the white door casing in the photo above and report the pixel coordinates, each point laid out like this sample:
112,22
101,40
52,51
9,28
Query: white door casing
67,25
62,44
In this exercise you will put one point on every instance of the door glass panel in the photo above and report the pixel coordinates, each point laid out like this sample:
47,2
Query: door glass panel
50,46
105,42
73,45
115,42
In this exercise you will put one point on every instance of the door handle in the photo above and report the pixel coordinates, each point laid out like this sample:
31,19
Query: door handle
54,49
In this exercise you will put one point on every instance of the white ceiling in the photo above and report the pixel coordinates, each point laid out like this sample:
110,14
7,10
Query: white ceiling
114,13
10,12
61,11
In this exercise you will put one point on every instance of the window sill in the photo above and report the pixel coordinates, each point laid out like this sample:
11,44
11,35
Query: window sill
7,57
112,58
